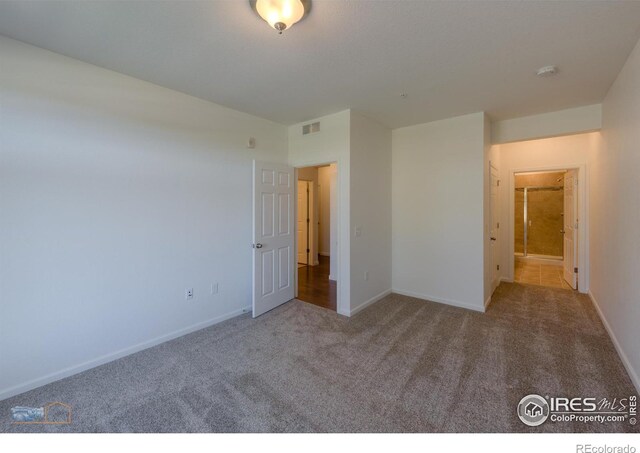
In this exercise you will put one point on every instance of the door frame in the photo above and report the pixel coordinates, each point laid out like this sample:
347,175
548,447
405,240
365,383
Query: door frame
494,207
340,301
583,220
311,243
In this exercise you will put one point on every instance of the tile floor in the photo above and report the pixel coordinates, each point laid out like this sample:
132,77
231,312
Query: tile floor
540,274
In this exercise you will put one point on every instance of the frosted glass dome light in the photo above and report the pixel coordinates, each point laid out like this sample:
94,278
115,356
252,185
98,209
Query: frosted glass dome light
280,14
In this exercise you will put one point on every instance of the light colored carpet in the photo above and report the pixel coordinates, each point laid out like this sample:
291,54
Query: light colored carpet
403,364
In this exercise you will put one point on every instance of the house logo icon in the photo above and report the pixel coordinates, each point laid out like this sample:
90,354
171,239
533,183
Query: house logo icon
533,410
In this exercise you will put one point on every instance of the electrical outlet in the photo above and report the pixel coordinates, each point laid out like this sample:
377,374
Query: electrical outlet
214,288
188,293
366,275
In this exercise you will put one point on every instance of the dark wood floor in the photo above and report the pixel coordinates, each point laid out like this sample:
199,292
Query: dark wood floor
315,287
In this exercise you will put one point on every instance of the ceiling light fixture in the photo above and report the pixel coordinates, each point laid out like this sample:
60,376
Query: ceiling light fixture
281,14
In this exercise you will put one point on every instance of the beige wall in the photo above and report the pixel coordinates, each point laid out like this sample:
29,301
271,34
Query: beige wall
362,150
615,215
117,194
438,210
553,124
331,144
370,211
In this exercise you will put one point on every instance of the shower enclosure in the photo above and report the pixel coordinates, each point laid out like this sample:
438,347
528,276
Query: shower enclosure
539,211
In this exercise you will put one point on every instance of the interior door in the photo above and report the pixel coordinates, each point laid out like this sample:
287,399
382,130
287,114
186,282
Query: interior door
493,230
273,240
303,221
570,248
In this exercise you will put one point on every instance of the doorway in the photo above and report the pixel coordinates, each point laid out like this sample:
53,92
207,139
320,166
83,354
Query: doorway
545,240
316,232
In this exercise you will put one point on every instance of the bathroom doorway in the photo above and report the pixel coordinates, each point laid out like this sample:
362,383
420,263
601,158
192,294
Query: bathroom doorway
545,240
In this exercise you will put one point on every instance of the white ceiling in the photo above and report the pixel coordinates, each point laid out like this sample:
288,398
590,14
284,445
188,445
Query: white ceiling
450,57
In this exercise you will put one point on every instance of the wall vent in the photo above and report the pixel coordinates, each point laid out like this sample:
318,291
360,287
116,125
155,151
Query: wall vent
311,128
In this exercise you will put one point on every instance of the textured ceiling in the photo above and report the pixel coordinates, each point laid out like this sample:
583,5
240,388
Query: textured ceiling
451,57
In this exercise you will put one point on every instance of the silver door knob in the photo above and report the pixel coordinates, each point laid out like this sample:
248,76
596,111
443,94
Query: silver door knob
257,246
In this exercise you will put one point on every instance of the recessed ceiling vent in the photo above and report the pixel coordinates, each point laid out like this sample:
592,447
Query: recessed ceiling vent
311,128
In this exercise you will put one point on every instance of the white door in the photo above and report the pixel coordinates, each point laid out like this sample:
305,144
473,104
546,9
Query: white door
273,240
493,230
570,251
303,221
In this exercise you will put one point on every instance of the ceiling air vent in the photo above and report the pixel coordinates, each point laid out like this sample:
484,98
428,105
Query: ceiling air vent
311,128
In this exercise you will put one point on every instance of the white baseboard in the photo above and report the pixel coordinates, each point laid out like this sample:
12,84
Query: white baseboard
439,300
486,303
75,369
506,279
371,301
625,360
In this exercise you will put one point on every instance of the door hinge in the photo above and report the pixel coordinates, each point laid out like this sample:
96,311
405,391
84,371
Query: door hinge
498,267
575,270
498,225
308,250
308,220
498,183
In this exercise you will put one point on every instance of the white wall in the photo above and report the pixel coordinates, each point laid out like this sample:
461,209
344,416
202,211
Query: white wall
615,215
564,122
438,211
115,196
331,144
571,151
370,211
361,149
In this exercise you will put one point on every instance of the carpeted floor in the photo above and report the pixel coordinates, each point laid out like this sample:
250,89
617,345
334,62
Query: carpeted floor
403,364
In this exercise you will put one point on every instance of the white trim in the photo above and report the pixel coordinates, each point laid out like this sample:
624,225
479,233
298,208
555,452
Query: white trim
625,360
110,357
439,300
506,280
583,216
371,301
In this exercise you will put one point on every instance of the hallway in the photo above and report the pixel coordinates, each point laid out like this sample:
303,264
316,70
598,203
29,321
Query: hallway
314,285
